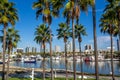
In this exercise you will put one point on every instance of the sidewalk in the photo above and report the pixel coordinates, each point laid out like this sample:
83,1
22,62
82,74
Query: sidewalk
88,76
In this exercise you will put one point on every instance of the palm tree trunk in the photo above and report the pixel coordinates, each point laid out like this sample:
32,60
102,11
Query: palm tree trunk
73,37
66,61
95,41
81,61
119,36
51,64
8,62
112,68
4,46
118,13
118,45
44,64
40,47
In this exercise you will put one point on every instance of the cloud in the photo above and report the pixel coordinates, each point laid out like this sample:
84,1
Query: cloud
103,42
54,37
103,39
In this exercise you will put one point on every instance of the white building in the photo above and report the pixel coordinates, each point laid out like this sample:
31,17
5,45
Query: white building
88,49
57,49
19,50
109,48
69,46
77,50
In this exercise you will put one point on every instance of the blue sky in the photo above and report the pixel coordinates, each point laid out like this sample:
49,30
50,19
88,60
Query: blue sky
27,24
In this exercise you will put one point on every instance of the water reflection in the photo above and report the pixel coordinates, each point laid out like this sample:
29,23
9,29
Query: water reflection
88,67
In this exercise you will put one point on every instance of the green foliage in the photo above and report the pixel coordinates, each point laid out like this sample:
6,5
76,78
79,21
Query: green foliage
47,9
19,55
117,53
42,34
37,53
8,14
64,32
80,31
45,55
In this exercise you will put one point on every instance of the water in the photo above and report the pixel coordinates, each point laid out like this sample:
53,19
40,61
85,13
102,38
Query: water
88,67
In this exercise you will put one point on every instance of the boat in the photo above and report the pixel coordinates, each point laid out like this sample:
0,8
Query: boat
38,57
92,58
87,59
109,59
28,60
1,62
77,59
56,58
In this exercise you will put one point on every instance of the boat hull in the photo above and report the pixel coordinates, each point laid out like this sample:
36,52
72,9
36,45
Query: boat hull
30,61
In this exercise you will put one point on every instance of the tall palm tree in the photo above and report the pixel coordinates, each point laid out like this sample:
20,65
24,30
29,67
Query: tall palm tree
12,39
42,36
8,15
73,8
118,17
80,31
115,6
48,8
64,32
42,7
110,25
95,39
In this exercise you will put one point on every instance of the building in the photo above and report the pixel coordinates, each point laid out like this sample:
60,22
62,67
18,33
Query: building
34,49
30,49
88,49
19,50
57,49
27,49
109,49
69,46
77,50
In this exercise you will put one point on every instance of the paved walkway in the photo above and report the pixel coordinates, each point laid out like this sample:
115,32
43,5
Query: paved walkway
60,73
89,76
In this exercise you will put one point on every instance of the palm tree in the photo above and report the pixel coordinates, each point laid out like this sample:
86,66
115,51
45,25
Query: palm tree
42,36
115,6
8,15
79,31
95,40
64,32
47,8
42,7
72,11
118,17
12,39
110,25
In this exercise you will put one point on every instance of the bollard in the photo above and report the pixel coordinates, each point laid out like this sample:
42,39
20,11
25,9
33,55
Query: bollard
32,75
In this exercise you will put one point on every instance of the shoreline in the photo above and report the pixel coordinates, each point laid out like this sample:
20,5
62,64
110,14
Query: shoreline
13,69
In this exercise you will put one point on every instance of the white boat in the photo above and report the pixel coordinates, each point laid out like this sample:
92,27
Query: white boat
92,58
1,61
56,58
77,59
109,59
38,57
29,60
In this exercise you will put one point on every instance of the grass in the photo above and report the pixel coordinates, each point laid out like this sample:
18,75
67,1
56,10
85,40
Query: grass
47,79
